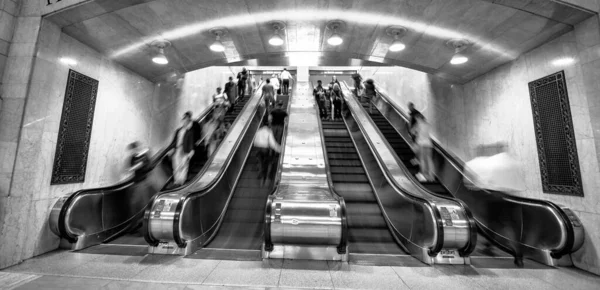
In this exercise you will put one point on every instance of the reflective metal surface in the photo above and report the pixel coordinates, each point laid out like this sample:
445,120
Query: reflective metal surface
181,221
92,216
304,218
547,231
412,212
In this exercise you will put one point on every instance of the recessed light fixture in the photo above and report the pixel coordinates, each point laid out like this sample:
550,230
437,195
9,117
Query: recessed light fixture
563,61
160,57
335,39
68,61
396,32
276,39
459,46
218,45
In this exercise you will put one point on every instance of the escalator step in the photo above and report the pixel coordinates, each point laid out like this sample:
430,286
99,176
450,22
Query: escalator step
344,163
434,187
340,150
373,235
354,178
336,139
363,208
367,221
375,248
328,133
244,216
332,144
247,202
347,170
343,156
248,183
241,191
346,189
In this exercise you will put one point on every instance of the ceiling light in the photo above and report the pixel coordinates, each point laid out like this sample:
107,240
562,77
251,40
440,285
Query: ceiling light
276,39
160,57
396,32
459,46
335,39
68,61
563,61
459,59
397,46
217,45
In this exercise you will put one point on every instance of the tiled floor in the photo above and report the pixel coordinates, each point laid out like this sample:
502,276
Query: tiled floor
66,270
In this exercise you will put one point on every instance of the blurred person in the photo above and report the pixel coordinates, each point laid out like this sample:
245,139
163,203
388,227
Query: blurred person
423,146
230,91
209,130
319,94
499,175
267,149
285,79
277,120
358,85
183,144
412,113
334,81
138,160
220,105
337,100
268,92
328,100
242,79
369,93
276,86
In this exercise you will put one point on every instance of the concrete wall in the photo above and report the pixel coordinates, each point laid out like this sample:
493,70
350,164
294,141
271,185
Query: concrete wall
125,108
190,92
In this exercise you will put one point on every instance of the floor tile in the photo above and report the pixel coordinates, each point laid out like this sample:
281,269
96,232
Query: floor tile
57,262
66,283
433,278
11,280
246,273
492,278
568,278
178,270
302,273
120,267
132,285
364,277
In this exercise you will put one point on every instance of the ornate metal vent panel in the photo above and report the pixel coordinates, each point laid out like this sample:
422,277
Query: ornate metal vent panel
557,149
75,129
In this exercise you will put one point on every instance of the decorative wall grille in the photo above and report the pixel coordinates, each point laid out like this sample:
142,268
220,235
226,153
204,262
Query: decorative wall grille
75,129
557,149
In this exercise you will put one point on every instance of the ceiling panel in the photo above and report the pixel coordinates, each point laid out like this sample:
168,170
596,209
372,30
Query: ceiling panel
500,31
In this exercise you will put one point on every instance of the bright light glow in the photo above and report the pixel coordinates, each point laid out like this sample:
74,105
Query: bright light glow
217,46
397,46
563,61
459,59
276,40
303,58
335,40
68,61
160,59
313,15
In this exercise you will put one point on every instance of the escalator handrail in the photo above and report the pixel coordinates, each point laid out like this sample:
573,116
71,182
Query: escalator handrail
472,224
344,239
439,243
209,187
155,160
458,163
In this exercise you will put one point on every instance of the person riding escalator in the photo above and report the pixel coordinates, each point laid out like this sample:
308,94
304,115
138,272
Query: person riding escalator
183,144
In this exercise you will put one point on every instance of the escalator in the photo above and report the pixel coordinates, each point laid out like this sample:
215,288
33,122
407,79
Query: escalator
545,231
243,223
111,217
368,231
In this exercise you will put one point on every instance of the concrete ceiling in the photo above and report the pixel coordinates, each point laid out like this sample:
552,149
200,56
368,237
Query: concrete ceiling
500,31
